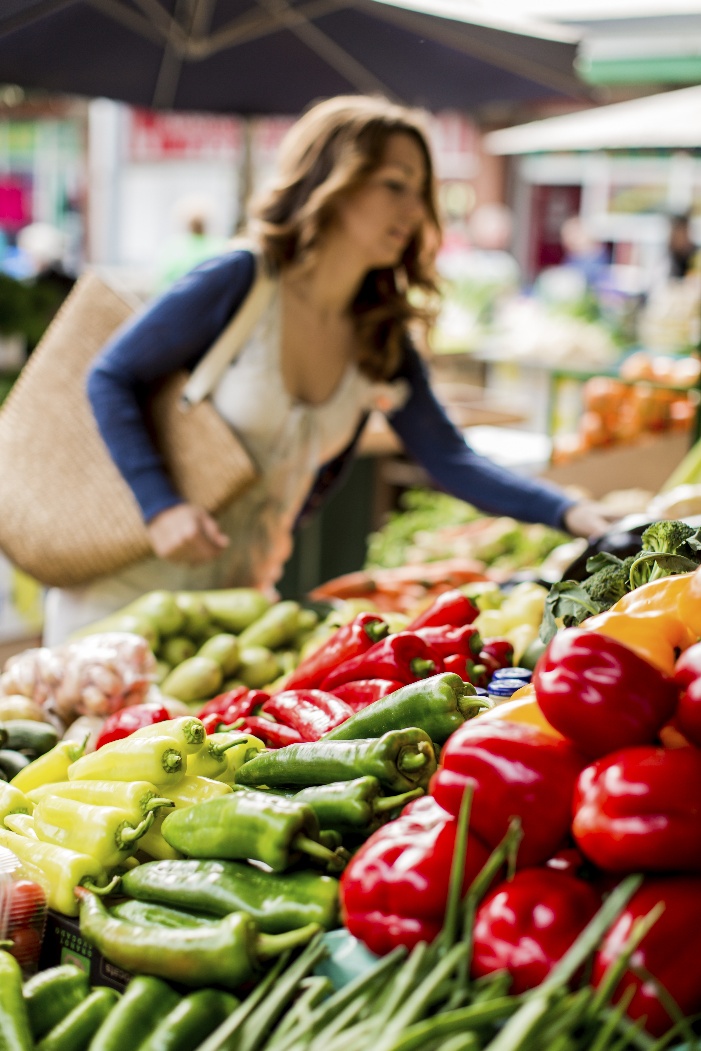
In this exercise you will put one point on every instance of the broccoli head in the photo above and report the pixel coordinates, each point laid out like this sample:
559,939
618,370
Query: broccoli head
668,547
611,581
670,538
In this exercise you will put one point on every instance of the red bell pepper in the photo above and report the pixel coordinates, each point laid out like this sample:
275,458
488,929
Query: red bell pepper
500,650
450,609
312,713
469,671
243,705
124,722
669,951
362,692
687,718
395,887
447,641
404,657
687,675
349,641
687,667
526,925
272,734
514,769
600,693
637,810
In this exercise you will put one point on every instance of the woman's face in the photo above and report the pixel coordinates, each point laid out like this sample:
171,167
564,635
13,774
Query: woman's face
380,219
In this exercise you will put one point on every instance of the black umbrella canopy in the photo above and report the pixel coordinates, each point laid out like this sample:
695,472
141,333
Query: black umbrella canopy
278,56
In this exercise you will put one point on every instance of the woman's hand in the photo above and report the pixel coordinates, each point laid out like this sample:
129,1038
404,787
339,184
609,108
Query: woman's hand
588,519
186,534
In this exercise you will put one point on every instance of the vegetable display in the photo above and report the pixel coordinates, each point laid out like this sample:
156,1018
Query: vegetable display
522,870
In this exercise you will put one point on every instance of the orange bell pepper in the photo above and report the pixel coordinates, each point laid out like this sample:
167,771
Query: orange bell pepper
657,620
521,707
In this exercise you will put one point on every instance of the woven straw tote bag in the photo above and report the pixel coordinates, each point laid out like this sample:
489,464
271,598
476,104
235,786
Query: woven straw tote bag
66,514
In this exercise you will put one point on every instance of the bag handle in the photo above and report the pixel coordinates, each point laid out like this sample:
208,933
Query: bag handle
228,345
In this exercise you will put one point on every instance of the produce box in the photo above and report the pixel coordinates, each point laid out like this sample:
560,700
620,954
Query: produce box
645,464
63,943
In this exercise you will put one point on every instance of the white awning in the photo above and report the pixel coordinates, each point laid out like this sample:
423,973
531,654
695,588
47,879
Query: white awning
669,120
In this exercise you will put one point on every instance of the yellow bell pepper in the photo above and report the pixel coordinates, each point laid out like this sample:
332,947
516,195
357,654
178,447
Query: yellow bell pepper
657,620
12,801
154,845
188,731
210,760
51,766
155,759
63,869
22,824
238,755
522,707
195,789
137,797
102,832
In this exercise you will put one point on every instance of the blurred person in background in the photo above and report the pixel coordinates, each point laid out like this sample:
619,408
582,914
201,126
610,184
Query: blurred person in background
350,229
682,251
583,253
194,243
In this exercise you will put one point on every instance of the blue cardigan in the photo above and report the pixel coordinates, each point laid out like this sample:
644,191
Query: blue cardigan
178,328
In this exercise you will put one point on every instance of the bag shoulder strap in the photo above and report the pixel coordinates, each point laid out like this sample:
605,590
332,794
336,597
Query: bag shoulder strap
228,345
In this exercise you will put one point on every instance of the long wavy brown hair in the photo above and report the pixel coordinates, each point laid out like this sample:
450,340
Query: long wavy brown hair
328,154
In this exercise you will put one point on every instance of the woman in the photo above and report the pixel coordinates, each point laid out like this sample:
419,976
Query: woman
350,228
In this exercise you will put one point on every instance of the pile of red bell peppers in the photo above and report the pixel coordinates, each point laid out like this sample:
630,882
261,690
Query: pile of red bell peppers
598,796
359,664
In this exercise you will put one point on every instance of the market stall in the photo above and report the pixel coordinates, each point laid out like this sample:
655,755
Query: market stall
429,805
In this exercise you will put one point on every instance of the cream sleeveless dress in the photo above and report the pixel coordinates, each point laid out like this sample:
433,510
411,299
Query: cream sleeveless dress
289,440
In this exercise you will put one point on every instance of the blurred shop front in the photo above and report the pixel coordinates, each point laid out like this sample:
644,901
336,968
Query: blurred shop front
145,166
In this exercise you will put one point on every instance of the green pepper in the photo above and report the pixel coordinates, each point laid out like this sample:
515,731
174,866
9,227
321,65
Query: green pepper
15,1034
278,902
191,1021
254,825
144,1002
76,1031
226,955
51,994
439,705
400,760
144,913
353,806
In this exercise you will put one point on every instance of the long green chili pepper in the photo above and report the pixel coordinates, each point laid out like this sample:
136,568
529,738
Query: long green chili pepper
226,955
400,760
277,902
351,806
248,824
438,705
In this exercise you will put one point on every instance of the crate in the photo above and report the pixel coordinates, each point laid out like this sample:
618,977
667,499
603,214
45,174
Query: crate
645,464
63,943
